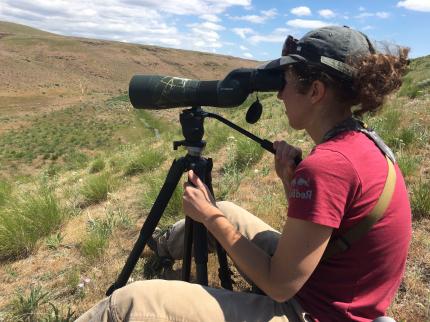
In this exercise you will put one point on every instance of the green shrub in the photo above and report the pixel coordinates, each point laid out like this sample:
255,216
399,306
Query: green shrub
58,315
409,89
96,166
408,164
99,231
5,192
96,188
389,127
145,160
216,136
94,245
28,218
52,170
420,201
97,240
401,138
407,136
54,241
27,307
75,160
72,278
228,183
243,153
248,153
35,307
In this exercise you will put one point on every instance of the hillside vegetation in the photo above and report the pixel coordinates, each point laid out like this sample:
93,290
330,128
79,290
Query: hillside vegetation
80,168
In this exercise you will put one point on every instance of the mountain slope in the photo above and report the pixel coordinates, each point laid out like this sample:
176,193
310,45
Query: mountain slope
38,68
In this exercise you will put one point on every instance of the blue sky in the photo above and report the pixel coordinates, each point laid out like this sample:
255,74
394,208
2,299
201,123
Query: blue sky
252,29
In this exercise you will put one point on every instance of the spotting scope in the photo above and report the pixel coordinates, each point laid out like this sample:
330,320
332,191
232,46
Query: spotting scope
161,92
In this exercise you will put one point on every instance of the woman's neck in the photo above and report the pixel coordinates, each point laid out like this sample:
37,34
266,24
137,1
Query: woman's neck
323,122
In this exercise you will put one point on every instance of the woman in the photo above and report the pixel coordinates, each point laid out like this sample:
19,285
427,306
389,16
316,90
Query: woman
327,73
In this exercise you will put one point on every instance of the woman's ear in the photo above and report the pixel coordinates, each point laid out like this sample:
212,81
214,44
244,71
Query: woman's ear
317,91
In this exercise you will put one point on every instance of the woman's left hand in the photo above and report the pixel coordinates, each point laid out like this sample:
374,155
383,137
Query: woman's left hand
198,202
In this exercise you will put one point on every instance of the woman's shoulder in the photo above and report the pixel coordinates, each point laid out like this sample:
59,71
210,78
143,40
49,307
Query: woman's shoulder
348,147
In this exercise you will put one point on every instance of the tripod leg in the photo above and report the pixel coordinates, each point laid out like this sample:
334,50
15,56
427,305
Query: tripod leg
196,234
224,272
200,237
174,175
188,242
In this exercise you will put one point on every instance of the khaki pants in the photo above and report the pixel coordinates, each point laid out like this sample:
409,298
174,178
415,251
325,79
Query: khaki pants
171,244
160,300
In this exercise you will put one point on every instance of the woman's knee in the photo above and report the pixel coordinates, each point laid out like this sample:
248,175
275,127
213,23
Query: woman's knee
233,212
225,205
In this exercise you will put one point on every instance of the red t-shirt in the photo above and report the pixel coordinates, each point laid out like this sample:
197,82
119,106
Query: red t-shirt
337,185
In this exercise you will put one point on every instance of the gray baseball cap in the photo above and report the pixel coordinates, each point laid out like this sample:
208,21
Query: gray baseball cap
327,47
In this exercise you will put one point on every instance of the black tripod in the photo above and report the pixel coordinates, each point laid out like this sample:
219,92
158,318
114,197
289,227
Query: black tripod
195,233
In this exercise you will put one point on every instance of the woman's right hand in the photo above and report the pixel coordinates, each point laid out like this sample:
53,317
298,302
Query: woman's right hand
285,157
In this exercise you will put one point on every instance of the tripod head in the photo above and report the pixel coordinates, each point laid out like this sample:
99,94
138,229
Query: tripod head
192,122
192,129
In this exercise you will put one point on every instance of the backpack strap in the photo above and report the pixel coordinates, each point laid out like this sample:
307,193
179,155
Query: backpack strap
344,242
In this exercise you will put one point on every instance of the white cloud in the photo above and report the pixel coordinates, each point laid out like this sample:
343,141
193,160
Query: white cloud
209,36
211,18
277,36
170,41
259,19
361,8
301,11
204,35
326,13
416,5
270,13
207,25
307,24
381,14
134,21
189,7
248,55
243,47
242,32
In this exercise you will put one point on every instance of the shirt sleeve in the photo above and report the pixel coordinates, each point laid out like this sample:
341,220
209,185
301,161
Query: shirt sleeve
323,187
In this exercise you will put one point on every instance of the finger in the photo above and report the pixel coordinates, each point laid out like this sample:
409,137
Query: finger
187,185
291,164
285,152
294,152
280,146
192,176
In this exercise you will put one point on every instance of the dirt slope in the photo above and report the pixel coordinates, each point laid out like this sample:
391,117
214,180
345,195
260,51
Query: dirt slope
40,70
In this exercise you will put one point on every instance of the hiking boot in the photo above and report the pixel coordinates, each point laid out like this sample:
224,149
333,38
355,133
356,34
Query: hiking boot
152,241
157,267
158,243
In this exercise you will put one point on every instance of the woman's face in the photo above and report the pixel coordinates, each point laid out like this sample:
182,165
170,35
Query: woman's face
296,107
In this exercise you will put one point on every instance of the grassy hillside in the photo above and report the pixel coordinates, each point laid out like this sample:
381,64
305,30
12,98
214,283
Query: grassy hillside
42,72
80,174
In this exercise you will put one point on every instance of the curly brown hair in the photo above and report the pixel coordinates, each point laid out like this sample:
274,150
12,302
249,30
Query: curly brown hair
377,76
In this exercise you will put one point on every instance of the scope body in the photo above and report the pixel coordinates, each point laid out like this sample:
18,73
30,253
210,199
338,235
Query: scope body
161,92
